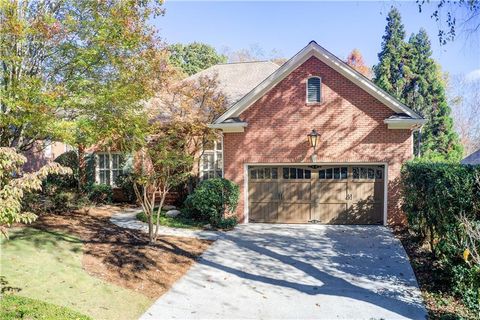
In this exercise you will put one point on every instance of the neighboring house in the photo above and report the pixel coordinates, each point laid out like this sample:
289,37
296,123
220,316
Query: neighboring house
473,158
350,177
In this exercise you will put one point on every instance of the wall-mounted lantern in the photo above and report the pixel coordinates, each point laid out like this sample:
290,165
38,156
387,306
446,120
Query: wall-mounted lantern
313,139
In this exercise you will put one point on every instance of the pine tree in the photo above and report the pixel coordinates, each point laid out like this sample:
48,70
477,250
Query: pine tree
408,72
424,92
389,73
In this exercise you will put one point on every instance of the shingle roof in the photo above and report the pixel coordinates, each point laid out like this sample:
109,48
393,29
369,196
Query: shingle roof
474,158
235,80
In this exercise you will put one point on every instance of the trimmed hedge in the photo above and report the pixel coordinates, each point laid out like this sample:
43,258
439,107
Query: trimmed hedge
436,197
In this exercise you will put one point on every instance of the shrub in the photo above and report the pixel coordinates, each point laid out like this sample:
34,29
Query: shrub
54,181
99,193
124,181
440,199
212,199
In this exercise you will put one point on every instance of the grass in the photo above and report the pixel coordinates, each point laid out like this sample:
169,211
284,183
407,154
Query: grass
47,266
18,307
179,221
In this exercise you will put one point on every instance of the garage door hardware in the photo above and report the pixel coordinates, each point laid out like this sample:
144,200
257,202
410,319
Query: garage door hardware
314,221
349,197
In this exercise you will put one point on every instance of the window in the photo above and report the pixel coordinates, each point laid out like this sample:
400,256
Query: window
211,164
264,173
296,173
109,166
368,173
338,173
314,85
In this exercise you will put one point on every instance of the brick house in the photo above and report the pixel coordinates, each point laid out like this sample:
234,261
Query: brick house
349,176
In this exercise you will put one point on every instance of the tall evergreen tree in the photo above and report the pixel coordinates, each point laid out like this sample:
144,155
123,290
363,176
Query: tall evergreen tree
408,72
424,92
389,73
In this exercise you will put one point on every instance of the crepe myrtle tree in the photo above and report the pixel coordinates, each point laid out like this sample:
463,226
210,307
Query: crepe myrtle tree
14,184
161,164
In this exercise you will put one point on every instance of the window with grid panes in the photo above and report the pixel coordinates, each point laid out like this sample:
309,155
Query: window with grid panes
109,167
211,164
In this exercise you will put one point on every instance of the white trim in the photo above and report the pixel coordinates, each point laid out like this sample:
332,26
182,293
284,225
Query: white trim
229,127
245,180
385,195
215,159
110,166
413,124
313,49
306,91
246,213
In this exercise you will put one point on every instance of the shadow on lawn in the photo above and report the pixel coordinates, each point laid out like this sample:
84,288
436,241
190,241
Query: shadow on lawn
5,288
123,256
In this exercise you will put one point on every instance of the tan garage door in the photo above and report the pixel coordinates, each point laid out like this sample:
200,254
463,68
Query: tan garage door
326,194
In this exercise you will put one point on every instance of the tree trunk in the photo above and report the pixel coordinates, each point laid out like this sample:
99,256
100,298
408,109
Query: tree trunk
82,168
159,211
150,226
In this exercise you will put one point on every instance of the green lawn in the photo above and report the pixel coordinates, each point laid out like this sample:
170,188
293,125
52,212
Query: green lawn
47,266
17,307
179,221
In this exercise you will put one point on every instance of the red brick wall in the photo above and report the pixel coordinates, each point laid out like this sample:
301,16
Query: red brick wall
349,120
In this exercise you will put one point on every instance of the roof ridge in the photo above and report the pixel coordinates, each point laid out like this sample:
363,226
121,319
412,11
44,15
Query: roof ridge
242,62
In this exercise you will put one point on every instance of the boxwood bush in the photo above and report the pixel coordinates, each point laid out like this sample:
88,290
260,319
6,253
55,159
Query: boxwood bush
212,200
439,200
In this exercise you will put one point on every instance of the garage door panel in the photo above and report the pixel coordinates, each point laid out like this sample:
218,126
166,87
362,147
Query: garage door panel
366,191
264,211
294,213
365,213
329,213
327,192
296,191
263,191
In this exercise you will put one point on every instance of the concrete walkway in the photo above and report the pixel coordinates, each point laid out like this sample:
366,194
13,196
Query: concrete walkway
126,218
261,271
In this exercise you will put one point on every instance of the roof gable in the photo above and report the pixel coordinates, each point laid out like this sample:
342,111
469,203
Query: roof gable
473,158
315,50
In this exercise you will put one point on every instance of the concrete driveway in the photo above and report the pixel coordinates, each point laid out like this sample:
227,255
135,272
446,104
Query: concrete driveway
262,271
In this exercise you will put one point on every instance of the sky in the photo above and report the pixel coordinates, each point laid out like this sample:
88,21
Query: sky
287,27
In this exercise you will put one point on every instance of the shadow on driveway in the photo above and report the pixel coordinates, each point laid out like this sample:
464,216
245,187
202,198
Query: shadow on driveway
298,271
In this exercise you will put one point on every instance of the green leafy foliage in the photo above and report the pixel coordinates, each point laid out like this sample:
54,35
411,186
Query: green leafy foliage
212,199
388,73
194,57
164,162
14,184
124,182
70,70
18,307
407,71
69,160
100,193
441,200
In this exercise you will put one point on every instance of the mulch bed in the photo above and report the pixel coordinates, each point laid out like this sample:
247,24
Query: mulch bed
440,303
123,256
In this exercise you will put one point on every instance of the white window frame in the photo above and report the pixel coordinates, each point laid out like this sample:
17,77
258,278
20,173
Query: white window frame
110,166
320,89
215,153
